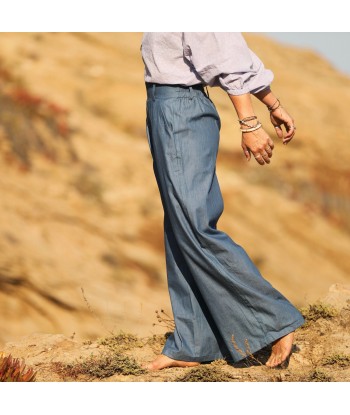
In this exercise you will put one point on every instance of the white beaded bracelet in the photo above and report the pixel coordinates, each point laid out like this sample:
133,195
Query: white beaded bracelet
249,130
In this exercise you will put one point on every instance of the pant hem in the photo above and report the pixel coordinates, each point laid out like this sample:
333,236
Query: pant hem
200,359
273,337
270,338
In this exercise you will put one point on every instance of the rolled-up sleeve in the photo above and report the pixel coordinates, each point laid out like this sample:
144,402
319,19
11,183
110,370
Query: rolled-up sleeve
224,59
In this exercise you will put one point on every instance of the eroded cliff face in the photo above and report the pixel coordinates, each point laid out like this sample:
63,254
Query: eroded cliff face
81,244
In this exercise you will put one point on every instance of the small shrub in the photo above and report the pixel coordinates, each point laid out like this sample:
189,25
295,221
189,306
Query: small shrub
15,370
120,342
318,376
341,360
204,373
219,363
316,311
157,341
102,366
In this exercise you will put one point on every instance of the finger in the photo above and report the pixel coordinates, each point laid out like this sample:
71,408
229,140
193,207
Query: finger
266,157
246,151
290,131
287,139
279,131
259,159
271,143
268,151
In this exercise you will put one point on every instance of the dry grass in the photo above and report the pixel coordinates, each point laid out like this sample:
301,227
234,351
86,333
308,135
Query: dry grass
321,360
206,373
316,311
337,359
120,342
319,354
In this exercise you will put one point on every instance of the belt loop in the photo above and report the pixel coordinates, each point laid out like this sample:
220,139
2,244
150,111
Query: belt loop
153,92
191,92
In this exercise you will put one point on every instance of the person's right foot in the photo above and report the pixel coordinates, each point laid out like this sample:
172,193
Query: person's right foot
281,350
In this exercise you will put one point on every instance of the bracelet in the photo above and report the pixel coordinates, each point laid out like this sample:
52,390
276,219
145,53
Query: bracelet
253,117
279,106
248,130
243,121
271,107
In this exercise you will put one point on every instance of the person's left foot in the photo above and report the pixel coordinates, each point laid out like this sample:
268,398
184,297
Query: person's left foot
162,362
281,350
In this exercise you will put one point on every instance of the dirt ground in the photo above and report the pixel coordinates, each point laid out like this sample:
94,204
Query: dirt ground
321,353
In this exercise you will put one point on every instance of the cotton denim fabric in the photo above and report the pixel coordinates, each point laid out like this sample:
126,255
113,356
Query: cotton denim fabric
222,306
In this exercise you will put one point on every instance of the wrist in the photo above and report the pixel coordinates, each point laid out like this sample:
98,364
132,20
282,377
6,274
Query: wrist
274,106
262,94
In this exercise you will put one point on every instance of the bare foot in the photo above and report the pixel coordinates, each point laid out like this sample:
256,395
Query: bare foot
162,362
281,350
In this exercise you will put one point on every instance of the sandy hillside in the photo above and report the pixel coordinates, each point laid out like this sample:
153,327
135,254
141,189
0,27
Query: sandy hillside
81,248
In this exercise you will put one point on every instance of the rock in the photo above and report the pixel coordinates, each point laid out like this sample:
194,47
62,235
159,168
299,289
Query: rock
45,342
43,348
338,296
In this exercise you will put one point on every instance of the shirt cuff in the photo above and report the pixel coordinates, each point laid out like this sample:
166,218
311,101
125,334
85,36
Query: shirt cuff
245,85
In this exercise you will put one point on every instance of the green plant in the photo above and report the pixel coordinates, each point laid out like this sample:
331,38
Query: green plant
14,370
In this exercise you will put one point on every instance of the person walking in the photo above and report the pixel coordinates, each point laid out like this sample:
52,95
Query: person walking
223,307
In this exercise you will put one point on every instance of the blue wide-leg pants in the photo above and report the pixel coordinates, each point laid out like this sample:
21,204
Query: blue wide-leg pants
222,306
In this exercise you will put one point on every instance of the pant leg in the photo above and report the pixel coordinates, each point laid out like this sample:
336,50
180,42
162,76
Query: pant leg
195,336
231,296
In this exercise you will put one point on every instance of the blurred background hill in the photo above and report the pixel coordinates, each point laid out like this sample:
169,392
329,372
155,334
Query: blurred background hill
81,244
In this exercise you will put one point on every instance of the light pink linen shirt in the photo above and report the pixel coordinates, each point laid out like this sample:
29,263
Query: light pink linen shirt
212,58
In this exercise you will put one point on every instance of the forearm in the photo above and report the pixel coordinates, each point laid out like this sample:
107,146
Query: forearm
243,105
267,97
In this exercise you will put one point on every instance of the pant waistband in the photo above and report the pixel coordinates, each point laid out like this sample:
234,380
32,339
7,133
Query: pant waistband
199,87
173,91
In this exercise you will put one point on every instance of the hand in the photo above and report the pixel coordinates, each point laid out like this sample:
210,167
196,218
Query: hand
259,144
280,117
